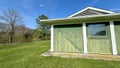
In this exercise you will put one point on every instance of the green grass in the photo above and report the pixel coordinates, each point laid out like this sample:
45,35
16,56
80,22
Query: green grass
27,55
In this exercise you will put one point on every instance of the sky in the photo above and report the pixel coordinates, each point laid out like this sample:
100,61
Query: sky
31,9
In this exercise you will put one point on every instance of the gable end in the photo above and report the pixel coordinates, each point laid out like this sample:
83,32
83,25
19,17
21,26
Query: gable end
90,11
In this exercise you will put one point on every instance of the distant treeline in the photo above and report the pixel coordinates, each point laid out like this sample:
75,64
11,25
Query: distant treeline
22,34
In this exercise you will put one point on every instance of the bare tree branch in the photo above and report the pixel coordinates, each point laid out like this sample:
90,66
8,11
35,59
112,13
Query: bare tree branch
11,17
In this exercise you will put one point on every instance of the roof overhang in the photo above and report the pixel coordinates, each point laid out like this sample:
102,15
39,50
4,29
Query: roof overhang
83,19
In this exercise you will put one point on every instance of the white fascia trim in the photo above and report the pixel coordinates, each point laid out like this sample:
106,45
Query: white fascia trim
78,12
97,9
52,38
102,10
84,37
114,49
93,16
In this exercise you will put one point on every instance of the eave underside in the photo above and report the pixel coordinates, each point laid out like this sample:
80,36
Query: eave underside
83,19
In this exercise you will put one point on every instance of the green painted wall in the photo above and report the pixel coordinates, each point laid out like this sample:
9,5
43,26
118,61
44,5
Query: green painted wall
68,38
100,45
117,35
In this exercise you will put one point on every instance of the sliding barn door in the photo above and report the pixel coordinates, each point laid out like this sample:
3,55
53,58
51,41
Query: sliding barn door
68,38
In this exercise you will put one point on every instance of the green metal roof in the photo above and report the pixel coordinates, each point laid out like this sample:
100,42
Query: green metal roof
83,19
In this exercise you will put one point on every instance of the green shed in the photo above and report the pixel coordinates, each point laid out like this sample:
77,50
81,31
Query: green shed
91,31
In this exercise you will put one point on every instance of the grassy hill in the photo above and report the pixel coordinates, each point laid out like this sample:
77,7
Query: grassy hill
27,55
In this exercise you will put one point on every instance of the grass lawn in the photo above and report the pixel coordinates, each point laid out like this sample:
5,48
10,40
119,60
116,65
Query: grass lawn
27,55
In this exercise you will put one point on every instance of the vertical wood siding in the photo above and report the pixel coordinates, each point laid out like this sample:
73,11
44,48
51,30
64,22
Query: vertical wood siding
68,38
100,45
117,35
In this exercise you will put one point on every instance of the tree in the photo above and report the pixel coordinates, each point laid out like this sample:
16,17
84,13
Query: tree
4,27
11,17
29,36
44,30
4,32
